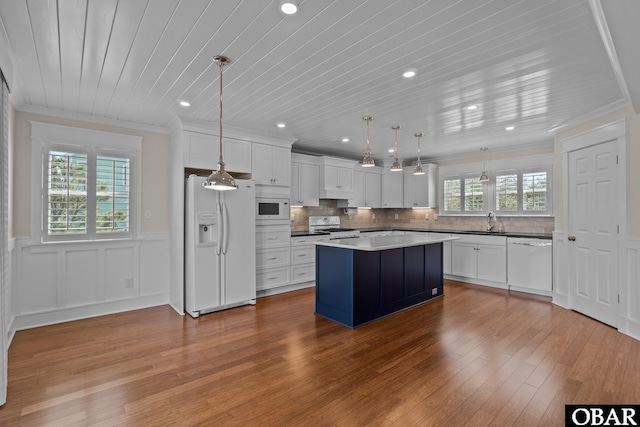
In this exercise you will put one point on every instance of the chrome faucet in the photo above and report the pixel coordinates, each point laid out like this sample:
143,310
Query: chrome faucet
491,220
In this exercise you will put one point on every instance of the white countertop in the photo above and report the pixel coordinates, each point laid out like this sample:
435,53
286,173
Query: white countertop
380,243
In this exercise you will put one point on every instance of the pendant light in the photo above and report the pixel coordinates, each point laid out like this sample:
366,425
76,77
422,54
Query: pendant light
396,166
220,179
418,170
367,162
483,176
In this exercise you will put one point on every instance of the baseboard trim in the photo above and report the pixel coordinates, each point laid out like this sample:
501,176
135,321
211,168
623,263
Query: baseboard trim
27,321
283,289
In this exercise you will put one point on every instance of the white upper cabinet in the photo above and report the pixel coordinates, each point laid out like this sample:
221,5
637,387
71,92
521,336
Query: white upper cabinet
271,165
202,152
336,178
392,189
304,181
420,190
367,185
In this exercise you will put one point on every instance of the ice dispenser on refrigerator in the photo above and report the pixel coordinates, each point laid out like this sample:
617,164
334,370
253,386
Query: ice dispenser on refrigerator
207,230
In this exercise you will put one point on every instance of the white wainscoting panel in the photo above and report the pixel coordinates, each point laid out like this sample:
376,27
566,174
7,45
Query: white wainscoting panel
154,265
629,319
81,284
59,282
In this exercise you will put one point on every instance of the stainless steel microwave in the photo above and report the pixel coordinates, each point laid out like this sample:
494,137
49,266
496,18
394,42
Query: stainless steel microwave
272,208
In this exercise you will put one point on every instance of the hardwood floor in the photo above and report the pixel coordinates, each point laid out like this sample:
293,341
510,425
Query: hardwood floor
478,356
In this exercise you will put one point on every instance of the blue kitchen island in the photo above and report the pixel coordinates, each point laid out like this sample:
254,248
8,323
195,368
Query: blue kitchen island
359,280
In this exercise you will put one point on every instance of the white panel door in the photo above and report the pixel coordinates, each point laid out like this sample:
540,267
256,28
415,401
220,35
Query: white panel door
593,203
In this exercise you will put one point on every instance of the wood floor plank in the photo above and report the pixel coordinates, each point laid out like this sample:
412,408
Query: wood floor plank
477,356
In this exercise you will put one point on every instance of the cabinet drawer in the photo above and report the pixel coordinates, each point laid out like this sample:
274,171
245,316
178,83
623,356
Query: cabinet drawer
307,240
272,257
271,237
272,278
303,254
303,273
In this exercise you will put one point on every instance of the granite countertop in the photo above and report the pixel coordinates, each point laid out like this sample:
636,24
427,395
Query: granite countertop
380,243
477,233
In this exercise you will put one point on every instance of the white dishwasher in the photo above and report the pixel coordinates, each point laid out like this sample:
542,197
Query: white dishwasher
529,264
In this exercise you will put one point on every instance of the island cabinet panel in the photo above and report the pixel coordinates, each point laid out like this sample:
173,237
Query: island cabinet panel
367,285
433,279
335,299
354,287
414,271
393,289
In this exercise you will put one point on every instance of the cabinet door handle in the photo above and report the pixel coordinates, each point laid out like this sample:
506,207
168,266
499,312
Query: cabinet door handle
271,259
302,274
572,238
272,238
272,278
302,255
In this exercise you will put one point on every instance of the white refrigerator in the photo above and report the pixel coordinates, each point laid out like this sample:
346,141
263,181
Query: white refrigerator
220,246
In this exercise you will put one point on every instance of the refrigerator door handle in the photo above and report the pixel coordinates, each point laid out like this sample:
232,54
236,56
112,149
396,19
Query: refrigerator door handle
220,228
225,230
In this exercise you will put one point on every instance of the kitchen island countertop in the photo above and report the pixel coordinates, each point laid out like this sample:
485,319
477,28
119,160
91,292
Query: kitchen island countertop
380,243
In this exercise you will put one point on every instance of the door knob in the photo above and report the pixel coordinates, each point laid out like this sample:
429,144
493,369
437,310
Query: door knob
572,238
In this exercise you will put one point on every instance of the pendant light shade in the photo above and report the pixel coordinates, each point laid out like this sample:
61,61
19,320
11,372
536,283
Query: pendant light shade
418,170
396,166
368,162
484,177
220,179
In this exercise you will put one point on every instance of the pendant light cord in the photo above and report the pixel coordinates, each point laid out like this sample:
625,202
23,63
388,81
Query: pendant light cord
368,147
220,127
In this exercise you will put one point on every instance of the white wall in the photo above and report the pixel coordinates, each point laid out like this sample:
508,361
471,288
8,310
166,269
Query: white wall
58,282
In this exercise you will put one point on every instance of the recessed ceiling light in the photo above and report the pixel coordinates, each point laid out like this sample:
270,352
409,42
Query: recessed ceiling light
409,73
510,128
472,107
345,139
288,7
391,150
281,125
185,103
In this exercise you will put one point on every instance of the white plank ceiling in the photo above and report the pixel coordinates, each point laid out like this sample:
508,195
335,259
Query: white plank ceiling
532,64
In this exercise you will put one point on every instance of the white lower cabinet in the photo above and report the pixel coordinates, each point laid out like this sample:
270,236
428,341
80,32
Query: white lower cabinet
270,278
273,253
480,257
303,258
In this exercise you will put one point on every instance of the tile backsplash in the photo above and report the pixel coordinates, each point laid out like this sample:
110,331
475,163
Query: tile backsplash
413,218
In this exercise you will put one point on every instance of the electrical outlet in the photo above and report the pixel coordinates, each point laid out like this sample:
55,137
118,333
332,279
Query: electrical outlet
426,216
128,282
435,216
147,214
396,216
434,291
373,216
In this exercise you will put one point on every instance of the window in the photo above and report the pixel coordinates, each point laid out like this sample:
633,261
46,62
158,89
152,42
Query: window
517,187
534,191
473,195
522,192
88,189
507,193
452,195
66,193
463,194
